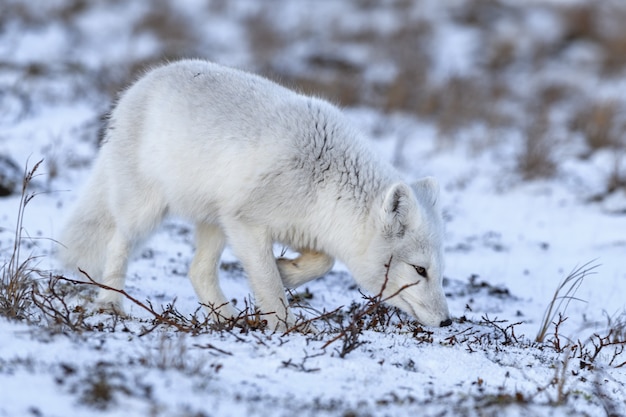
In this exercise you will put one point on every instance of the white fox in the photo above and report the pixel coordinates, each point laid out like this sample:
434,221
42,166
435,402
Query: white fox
252,164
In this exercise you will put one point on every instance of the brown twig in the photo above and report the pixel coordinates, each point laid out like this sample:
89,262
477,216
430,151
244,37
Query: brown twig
159,317
304,324
209,346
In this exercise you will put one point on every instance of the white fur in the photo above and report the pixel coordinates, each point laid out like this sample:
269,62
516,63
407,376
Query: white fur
252,163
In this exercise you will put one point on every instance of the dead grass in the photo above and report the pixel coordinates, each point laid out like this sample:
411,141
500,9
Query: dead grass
563,295
602,124
171,28
617,176
535,159
18,274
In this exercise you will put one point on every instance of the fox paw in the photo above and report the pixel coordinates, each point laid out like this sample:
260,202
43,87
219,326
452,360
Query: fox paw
109,307
278,325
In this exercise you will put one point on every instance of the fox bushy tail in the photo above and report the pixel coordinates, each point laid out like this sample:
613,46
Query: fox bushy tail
89,228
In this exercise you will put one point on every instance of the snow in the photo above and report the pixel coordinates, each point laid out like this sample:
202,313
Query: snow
453,51
509,242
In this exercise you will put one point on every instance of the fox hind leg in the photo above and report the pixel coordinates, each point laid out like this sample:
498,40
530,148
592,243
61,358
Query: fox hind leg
114,274
135,215
306,267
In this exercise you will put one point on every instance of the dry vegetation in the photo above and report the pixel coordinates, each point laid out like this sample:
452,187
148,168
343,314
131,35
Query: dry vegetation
53,311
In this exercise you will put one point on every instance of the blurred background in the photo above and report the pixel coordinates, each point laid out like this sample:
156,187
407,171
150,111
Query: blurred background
544,80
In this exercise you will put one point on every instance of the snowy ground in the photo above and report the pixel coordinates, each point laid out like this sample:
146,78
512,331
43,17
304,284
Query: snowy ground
519,111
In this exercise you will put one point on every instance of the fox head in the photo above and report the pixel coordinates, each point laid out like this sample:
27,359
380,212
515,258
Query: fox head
407,248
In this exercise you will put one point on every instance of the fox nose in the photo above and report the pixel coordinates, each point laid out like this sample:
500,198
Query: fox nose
446,322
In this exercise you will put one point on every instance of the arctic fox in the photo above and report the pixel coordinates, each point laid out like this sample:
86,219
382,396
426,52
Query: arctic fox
252,164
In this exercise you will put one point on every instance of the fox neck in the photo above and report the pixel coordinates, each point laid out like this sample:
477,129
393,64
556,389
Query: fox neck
354,234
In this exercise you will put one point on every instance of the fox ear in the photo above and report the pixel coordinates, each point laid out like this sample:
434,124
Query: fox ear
427,191
398,207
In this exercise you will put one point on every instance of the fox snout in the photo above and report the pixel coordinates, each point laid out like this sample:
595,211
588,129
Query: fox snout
433,321
427,312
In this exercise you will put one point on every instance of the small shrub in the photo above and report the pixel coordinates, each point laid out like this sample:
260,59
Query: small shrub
610,343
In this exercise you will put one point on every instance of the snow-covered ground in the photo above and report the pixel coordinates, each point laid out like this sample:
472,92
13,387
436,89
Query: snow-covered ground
518,109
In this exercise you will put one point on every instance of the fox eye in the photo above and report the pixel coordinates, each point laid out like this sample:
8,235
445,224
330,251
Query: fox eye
421,271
